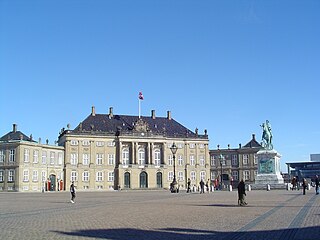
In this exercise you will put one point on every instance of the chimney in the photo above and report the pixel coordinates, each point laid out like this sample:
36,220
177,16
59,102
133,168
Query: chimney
153,114
14,127
110,112
93,111
169,115
253,136
239,145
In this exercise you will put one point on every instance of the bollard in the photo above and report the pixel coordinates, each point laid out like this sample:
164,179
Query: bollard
268,187
249,188
230,188
212,188
288,186
309,186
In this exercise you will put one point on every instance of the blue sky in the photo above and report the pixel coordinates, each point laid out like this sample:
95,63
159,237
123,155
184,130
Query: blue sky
224,66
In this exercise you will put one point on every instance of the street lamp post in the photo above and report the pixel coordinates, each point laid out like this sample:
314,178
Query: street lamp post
173,185
221,158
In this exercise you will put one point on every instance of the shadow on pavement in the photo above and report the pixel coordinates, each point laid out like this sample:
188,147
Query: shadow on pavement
194,234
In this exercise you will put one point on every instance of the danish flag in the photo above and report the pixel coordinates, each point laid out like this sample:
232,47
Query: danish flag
140,96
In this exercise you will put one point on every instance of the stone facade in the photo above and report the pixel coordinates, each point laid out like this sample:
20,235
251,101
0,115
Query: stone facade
237,163
108,151
27,165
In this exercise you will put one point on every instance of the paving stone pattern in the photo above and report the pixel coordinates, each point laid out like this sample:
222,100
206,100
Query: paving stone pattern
277,214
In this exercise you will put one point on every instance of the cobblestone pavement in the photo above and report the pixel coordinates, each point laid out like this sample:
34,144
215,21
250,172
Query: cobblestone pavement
271,215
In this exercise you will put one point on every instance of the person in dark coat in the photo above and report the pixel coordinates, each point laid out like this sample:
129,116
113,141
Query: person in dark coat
304,186
189,185
241,193
201,186
73,192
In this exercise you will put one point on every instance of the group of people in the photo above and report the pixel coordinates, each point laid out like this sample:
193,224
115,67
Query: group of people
296,184
241,188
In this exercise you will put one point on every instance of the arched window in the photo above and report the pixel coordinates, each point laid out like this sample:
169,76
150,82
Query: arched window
125,157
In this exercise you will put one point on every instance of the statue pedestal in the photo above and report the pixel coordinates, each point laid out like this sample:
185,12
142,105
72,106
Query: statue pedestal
268,170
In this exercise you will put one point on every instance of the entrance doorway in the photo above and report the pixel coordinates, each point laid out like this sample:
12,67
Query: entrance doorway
143,180
127,180
159,180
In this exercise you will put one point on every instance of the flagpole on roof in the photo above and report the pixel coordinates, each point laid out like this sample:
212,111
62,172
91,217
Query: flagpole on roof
140,98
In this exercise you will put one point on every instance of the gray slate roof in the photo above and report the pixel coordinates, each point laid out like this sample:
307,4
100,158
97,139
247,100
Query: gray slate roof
102,123
14,136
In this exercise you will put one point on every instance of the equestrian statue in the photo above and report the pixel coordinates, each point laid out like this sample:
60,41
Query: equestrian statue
267,135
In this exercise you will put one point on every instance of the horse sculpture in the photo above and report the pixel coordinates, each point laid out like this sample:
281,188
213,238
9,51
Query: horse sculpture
267,136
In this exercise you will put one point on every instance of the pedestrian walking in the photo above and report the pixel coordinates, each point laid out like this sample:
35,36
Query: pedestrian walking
317,184
201,186
207,185
241,193
73,192
304,186
188,185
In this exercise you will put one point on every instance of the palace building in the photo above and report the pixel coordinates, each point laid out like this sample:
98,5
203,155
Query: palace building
110,151
27,165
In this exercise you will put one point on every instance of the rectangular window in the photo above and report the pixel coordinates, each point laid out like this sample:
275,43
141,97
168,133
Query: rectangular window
60,158
192,162
255,159
235,175
110,159
202,160
44,157
1,176
85,143
74,159
213,161
110,176
35,176
111,144
180,176
99,158
234,160
246,175
85,176
74,176
35,156
99,177
170,160
85,159
26,155
74,142
2,156
12,155
203,175
43,176
170,176
157,157
193,175
213,175
180,160
11,176
192,145
125,157
52,154
245,159
25,175
201,145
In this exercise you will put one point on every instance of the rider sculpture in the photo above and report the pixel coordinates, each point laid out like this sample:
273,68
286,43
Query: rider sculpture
267,135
